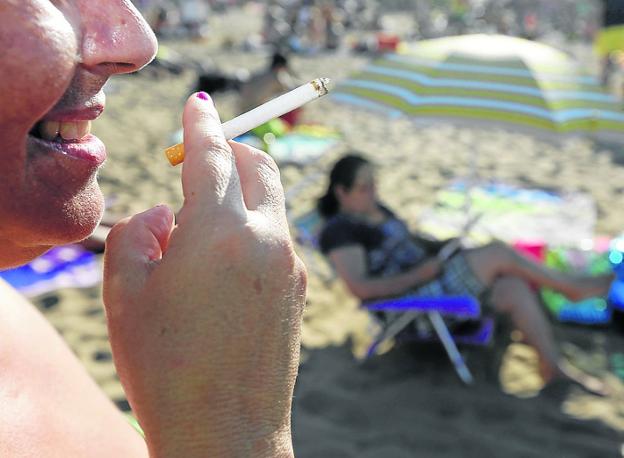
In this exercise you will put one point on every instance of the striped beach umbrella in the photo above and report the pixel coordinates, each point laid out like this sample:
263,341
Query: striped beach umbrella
485,79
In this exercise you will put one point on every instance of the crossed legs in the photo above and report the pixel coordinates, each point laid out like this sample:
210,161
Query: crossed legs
509,275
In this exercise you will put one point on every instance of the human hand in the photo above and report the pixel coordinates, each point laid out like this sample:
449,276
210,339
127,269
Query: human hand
431,268
204,318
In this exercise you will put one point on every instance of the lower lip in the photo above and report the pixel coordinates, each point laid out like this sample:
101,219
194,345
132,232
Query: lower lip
89,149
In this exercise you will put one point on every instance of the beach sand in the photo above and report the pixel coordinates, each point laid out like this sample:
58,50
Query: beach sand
407,402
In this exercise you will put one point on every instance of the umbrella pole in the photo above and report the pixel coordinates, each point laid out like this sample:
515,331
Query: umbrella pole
473,177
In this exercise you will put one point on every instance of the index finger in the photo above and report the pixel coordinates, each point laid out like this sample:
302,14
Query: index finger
209,175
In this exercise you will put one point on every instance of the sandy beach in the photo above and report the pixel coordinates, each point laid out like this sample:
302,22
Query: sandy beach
408,401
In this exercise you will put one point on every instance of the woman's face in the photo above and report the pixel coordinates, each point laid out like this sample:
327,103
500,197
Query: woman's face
56,57
362,196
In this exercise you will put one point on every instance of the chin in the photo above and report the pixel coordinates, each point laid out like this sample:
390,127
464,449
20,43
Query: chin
31,225
60,221
74,222
14,257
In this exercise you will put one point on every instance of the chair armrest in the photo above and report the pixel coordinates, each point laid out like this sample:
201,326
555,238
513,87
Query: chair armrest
457,306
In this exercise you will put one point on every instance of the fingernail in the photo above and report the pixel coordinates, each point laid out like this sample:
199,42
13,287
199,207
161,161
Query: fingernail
203,96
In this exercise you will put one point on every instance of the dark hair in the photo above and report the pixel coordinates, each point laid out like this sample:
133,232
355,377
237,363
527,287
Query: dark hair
278,59
343,173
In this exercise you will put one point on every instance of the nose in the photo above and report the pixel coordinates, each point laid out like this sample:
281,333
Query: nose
115,37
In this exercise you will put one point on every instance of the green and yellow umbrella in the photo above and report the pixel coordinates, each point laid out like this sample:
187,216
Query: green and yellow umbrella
488,79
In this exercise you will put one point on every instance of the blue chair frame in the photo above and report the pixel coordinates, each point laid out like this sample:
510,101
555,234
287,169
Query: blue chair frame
402,311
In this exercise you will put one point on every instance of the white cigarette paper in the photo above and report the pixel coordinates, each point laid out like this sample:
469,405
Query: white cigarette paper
265,112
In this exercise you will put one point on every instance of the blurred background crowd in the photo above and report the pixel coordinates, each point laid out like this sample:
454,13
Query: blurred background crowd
312,26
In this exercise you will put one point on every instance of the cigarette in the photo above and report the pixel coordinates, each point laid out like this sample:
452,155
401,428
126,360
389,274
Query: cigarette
272,109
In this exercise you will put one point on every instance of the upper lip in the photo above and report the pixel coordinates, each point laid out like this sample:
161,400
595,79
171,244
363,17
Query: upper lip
75,114
78,105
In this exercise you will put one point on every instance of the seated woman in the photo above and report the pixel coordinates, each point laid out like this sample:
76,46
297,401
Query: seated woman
376,256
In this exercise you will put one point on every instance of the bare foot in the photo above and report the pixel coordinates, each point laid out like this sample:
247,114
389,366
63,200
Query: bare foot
565,374
588,382
590,286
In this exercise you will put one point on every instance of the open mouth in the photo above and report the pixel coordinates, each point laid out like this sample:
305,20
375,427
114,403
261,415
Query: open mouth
68,139
61,132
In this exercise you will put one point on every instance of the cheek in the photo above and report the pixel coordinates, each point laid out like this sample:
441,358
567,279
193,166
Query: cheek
364,201
39,56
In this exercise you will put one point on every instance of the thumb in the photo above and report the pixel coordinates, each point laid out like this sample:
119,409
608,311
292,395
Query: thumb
132,247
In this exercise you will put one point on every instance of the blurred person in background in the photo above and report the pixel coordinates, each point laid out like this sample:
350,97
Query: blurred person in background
194,17
377,257
203,313
333,25
609,43
263,86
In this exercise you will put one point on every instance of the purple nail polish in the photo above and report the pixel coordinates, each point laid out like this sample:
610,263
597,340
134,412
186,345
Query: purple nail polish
203,95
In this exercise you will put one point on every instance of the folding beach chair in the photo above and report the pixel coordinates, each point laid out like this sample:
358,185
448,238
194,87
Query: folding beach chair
402,312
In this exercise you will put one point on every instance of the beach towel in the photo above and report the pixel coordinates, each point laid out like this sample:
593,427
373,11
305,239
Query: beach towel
592,311
68,266
511,213
303,144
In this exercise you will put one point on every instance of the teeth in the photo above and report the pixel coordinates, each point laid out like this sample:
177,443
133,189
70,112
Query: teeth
49,130
75,130
68,131
84,128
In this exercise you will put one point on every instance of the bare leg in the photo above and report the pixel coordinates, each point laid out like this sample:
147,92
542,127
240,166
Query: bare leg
514,296
497,259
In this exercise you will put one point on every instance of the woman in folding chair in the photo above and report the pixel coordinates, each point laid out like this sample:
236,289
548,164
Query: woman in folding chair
377,257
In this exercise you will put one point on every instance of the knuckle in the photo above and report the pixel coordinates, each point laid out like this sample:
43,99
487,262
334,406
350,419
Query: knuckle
212,138
300,275
298,285
275,200
260,160
205,117
211,159
214,143
277,248
280,252
267,162
260,245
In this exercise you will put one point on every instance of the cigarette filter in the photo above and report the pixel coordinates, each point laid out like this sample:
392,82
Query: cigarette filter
265,112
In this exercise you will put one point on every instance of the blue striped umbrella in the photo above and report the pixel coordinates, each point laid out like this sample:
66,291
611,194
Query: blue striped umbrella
486,79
